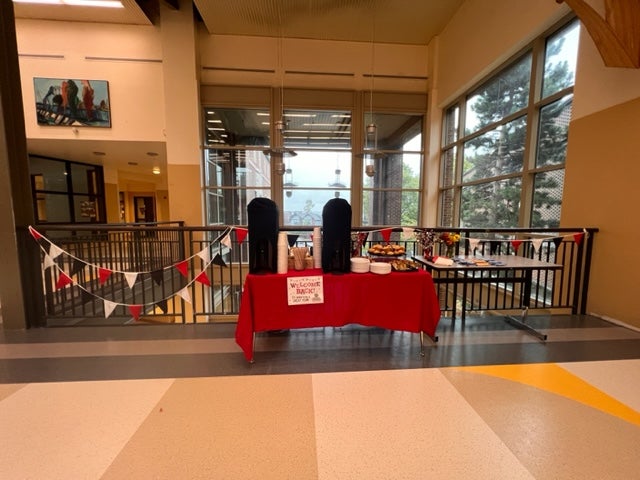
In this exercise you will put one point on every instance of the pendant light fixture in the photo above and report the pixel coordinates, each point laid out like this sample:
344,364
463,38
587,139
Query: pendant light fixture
371,139
280,125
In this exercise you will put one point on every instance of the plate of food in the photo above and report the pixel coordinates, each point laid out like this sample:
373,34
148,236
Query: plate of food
388,250
402,265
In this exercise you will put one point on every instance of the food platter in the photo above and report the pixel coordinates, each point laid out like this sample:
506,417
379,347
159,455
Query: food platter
388,250
402,265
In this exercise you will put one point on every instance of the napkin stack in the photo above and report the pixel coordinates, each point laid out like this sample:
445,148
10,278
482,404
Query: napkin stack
283,252
317,248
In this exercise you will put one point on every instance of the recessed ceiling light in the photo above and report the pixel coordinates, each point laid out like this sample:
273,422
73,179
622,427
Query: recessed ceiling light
156,170
152,154
100,154
133,164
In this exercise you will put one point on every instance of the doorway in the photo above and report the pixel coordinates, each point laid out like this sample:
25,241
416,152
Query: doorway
144,209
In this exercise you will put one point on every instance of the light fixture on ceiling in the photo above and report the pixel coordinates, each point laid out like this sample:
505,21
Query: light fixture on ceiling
156,170
371,138
280,125
76,3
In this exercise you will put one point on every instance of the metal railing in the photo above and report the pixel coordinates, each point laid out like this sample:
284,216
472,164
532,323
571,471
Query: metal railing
169,273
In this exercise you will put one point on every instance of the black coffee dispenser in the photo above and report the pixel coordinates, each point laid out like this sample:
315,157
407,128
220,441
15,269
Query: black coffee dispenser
263,235
336,236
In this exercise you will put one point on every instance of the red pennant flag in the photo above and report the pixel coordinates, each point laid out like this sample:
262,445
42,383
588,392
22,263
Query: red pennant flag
34,234
182,267
515,244
135,310
241,234
577,237
386,233
202,278
63,280
104,274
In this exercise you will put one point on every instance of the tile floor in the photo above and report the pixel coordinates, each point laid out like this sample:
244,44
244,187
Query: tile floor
486,401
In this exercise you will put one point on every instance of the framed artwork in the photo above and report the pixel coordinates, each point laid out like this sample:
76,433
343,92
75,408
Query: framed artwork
72,102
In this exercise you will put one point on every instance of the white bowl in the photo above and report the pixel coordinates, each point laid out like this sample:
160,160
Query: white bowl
381,268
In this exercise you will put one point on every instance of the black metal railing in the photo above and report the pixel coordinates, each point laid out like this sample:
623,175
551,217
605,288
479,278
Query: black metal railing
169,273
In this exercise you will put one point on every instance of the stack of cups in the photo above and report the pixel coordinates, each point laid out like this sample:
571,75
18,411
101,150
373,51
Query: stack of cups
283,252
317,248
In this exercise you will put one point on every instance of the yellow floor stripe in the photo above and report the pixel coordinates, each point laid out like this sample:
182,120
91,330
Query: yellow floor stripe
555,379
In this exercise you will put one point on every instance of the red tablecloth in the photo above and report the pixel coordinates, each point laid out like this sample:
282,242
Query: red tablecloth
397,301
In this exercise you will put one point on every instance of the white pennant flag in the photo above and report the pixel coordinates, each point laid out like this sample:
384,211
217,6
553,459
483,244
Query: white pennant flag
55,251
473,243
48,262
184,293
108,308
226,241
408,233
537,243
131,278
204,255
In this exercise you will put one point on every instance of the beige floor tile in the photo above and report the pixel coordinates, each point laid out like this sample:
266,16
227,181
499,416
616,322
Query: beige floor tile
226,428
409,424
618,378
71,430
553,436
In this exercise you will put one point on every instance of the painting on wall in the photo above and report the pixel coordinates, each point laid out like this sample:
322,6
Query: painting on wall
72,102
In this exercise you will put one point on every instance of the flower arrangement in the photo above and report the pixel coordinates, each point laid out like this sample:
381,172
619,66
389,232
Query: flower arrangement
426,239
449,239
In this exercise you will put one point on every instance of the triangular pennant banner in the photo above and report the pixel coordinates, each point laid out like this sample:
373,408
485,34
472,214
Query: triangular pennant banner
408,233
34,233
184,293
537,243
55,251
226,240
109,307
135,311
182,267
292,239
76,267
162,305
557,241
131,278
204,255
48,262
577,237
516,244
158,276
386,234
202,278
63,281
104,274
217,260
473,244
85,296
241,234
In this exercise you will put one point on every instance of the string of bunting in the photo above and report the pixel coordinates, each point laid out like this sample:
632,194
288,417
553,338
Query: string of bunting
410,232
52,252
515,243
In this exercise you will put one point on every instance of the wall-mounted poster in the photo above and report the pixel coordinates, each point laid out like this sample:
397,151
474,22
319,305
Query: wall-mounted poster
72,102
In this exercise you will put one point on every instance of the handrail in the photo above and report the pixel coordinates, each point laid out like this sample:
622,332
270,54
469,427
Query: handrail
166,295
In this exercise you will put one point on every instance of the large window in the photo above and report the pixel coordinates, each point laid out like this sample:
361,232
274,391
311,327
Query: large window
504,145
303,157
66,192
317,163
392,169
236,169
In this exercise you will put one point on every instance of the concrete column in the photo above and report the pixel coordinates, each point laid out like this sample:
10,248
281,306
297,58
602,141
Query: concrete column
21,294
182,112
